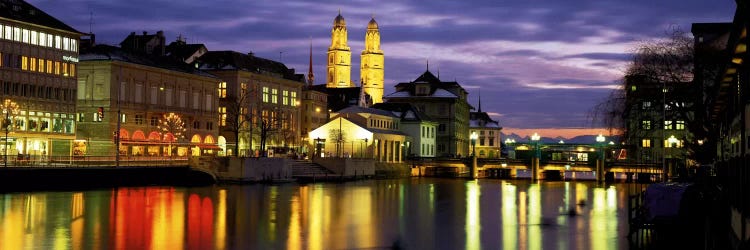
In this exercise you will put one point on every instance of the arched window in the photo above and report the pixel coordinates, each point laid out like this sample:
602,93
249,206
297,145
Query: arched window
169,137
154,136
209,140
139,136
195,139
124,135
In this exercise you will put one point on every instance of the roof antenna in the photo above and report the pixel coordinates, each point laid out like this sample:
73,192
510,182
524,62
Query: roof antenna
428,64
91,22
438,69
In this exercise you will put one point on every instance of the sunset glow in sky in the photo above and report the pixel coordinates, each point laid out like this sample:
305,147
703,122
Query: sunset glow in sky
538,64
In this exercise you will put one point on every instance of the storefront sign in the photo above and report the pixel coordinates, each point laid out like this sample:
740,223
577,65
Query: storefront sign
70,58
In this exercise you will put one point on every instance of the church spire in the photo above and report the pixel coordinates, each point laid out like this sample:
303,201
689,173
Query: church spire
372,65
310,76
480,102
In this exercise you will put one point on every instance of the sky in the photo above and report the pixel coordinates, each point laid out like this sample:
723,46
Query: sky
539,65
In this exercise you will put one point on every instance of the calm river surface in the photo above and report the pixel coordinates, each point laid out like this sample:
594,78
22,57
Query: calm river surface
418,213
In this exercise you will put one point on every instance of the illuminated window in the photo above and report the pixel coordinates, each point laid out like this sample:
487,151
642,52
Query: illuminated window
57,68
667,124
1,31
73,45
25,35
222,116
285,97
24,63
65,69
42,39
632,88
676,144
17,34
58,42
41,65
34,38
49,40
645,124
274,96
265,94
646,143
1,58
679,125
49,66
223,90
72,69
294,99
646,105
243,88
66,43
32,64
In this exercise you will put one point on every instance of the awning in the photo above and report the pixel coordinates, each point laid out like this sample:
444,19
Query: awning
207,146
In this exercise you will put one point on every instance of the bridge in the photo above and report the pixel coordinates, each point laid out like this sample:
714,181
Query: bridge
551,162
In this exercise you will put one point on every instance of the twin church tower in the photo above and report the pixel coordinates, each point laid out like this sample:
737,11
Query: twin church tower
340,57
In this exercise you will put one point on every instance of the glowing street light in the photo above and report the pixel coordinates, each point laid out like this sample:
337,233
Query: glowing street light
473,138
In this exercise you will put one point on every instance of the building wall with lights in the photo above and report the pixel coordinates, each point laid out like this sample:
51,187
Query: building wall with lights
275,95
38,66
488,144
654,113
143,89
445,103
730,112
314,112
362,133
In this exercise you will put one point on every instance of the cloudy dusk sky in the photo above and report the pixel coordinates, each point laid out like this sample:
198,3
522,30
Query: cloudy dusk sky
540,65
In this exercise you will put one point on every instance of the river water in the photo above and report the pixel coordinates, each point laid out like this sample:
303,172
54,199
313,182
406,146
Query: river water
416,213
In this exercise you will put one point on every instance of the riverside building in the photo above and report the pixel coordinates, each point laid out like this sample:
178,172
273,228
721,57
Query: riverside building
38,70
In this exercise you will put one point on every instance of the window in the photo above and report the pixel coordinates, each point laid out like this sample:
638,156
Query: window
667,125
441,128
183,98
222,116
81,117
41,65
481,141
285,97
294,99
123,118
49,66
679,125
196,125
154,121
34,38
196,100
274,96
209,125
209,102
25,35
153,95
32,64
58,42
139,119
646,124
223,90
646,143
646,105
72,70
42,39
168,99
16,34
96,117
491,141
57,68
265,94
24,63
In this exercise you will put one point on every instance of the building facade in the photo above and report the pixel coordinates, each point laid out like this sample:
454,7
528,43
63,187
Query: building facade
143,90
656,118
339,56
260,102
372,64
730,112
362,133
420,128
488,143
445,103
38,70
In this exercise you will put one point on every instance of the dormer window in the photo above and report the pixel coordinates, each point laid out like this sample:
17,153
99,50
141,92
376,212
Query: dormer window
423,90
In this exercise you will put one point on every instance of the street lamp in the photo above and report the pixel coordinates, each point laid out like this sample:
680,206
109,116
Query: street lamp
473,138
537,154
600,162
672,143
10,109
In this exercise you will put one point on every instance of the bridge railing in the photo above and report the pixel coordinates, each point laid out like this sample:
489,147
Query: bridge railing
92,161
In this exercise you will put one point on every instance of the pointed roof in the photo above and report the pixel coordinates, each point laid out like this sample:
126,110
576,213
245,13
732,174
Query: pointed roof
428,77
372,25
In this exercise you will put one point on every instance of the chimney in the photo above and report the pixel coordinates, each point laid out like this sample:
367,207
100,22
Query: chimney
162,42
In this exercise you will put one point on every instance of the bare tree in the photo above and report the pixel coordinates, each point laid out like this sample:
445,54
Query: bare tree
240,114
667,63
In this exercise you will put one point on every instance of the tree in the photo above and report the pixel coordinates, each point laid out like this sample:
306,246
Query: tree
172,123
9,112
240,113
668,63
339,137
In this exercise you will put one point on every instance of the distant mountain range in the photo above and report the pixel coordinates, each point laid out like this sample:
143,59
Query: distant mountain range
581,139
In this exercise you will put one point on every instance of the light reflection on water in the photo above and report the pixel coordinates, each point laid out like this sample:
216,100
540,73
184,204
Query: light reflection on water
411,213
